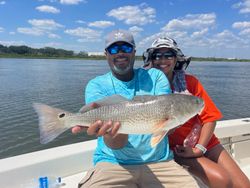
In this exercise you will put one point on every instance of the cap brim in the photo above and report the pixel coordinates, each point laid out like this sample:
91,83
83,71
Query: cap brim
119,41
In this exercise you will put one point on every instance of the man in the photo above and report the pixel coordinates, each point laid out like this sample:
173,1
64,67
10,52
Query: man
128,160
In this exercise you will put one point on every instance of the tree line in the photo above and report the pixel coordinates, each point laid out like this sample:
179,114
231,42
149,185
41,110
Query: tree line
43,52
49,52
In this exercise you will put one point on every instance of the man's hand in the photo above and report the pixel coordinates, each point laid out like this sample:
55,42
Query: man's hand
79,128
187,152
109,131
98,128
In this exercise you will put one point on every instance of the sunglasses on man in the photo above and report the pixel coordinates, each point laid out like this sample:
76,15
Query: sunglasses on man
166,55
124,48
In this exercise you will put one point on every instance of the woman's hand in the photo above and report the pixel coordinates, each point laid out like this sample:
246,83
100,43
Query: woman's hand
187,152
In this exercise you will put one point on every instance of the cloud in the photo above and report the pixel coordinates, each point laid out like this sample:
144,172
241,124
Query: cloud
53,36
72,2
80,21
226,39
89,40
54,44
226,34
138,15
9,43
2,2
245,32
49,9
198,34
201,41
30,31
192,30
40,27
243,6
101,24
191,21
45,24
86,34
147,41
241,25
135,30
1,29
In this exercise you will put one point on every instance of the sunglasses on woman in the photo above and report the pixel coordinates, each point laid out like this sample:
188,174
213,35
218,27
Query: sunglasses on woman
167,55
124,48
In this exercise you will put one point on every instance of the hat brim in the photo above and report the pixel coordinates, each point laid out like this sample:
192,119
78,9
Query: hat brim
172,49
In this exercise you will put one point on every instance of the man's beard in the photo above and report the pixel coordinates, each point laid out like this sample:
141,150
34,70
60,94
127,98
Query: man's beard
122,71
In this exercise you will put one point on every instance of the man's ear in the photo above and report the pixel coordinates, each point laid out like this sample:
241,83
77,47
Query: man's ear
105,53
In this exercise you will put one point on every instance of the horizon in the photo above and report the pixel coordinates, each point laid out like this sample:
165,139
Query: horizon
93,54
202,29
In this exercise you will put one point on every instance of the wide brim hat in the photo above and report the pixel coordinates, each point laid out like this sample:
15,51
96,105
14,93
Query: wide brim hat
165,42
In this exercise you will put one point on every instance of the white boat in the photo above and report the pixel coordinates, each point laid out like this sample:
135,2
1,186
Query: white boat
72,161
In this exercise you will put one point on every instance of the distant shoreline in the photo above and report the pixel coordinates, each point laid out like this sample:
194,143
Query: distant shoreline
138,58
53,53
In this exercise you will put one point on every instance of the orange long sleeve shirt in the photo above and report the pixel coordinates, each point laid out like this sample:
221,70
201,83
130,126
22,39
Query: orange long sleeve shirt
209,113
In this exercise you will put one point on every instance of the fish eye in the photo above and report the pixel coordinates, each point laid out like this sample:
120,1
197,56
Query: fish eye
61,115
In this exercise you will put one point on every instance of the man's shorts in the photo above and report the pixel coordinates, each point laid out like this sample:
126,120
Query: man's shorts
161,174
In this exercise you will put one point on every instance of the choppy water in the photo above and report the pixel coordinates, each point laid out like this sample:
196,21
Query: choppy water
61,83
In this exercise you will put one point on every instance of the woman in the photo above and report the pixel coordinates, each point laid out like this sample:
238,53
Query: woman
194,143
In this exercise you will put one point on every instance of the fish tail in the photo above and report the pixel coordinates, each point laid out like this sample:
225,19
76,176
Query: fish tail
51,122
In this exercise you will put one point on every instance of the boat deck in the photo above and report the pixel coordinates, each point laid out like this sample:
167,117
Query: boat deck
72,161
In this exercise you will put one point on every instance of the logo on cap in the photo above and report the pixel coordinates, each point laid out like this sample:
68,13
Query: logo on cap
119,35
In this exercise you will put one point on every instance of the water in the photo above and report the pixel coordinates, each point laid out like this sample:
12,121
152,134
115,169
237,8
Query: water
61,83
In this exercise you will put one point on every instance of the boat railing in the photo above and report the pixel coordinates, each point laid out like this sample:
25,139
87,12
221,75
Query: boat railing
67,161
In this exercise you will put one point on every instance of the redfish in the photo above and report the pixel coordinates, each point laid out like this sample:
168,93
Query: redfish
144,114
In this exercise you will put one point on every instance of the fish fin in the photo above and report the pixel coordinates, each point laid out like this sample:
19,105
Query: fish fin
160,126
51,124
159,132
110,100
157,138
144,98
86,108
173,123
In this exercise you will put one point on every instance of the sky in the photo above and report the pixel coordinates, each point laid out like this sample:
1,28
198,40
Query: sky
202,28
